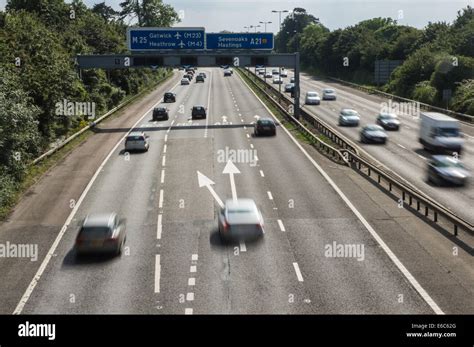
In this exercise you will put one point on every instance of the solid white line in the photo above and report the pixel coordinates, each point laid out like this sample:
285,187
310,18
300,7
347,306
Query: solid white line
191,281
369,228
422,157
165,147
262,174
280,224
163,161
194,257
162,180
157,273
401,146
160,203
52,250
298,272
270,195
192,268
188,311
190,296
243,248
159,227
208,106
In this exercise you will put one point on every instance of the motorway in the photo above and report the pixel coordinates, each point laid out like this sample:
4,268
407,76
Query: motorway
402,154
174,261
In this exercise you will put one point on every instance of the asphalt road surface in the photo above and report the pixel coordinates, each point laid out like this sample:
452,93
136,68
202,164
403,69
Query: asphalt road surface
175,262
402,154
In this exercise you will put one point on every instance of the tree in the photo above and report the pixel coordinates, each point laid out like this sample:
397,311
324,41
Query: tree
106,12
293,24
151,13
463,98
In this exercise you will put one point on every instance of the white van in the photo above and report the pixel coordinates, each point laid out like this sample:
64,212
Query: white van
439,132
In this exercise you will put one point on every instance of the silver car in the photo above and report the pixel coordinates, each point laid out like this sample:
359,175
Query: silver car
446,169
240,219
101,233
312,98
349,117
329,94
184,81
137,141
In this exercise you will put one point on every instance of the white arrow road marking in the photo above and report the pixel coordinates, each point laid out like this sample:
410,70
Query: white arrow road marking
205,181
231,169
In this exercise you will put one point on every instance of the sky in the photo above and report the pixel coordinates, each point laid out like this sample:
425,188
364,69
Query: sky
233,15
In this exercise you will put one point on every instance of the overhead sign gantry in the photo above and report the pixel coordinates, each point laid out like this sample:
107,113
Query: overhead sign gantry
178,46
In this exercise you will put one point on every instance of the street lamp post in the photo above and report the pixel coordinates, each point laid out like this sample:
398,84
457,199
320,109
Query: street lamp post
265,23
279,14
257,26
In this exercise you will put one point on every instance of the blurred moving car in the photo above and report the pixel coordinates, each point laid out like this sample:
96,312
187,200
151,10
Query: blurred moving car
160,113
203,74
169,97
198,112
268,75
275,72
388,121
184,81
199,78
289,87
101,233
444,169
312,98
227,72
264,126
373,133
277,80
349,117
292,80
137,141
329,94
283,73
240,220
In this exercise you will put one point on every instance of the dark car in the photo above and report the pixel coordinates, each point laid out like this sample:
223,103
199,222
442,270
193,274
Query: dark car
199,78
443,169
189,76
169,97
101,233
289,87
227,72
373,133
388,121
160,113
264,126
198,112
203,74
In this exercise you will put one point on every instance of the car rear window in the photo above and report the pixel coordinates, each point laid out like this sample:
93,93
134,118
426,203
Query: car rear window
265,122
94,232
135,138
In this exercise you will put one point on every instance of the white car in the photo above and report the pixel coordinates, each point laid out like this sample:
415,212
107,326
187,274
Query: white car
268,75
312,98
137,141
184,81
275,72
277,80
284,73
329,94
240,220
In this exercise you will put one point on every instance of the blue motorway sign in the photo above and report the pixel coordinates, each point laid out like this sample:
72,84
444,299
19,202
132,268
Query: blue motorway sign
153,39
239,41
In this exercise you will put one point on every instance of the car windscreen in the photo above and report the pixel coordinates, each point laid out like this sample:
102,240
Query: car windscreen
448,132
